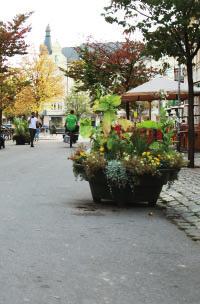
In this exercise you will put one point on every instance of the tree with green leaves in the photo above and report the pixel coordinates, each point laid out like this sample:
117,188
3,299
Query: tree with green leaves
169,27
12,42
78,101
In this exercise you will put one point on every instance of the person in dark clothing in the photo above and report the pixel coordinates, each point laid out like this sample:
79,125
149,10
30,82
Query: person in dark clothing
71,126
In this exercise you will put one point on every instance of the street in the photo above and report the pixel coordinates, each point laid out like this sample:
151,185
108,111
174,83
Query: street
57,246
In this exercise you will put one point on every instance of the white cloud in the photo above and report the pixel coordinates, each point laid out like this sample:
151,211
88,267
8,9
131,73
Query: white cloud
71,21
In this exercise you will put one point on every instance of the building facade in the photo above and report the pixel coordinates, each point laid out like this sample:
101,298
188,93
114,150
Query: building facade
54,112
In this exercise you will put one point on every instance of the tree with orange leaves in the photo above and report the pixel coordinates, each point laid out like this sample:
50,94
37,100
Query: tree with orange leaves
45,84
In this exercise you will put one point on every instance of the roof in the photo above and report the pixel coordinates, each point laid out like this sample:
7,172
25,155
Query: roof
70,53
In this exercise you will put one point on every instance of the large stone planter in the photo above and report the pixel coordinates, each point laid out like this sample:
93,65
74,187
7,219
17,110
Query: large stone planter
147,189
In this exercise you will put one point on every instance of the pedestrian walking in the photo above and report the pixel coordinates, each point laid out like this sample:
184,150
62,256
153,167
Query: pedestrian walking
37,133
33,121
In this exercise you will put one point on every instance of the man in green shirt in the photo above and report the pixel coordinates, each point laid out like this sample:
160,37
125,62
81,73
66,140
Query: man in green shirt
71,126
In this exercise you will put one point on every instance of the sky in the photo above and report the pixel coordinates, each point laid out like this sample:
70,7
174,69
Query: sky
71,21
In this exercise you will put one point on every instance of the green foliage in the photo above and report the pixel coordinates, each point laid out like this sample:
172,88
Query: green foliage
116,146
21,126
149,124
79,101
140,143
125,153
21,129
86,129
156,146
169,27
167,129
164,24
116,174
98,140
108,105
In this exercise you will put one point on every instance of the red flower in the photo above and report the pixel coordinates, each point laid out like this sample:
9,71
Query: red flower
118,129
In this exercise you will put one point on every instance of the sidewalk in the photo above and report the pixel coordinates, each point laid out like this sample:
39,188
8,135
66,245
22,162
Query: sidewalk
59,137
48,136
182,201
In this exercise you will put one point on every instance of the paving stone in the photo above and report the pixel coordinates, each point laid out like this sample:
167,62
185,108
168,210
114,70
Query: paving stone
182,208
195,209
183,225
194,219
189,218
186,203
173,203
197,225
182,202
192,232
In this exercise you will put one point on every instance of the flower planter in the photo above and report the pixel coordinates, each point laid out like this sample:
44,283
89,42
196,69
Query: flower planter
21,140
125,159
147,189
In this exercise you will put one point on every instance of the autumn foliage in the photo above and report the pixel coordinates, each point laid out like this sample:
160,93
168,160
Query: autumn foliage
111,67
12,42
44,84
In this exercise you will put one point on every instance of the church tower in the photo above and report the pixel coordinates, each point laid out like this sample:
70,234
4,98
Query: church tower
47,40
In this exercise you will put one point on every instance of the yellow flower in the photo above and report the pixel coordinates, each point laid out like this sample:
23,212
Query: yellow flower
101,149
82,153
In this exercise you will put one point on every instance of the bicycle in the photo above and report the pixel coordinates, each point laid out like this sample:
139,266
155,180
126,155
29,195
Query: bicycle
70,137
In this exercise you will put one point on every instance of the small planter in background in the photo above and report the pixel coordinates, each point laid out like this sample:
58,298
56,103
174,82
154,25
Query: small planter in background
21,140
21,132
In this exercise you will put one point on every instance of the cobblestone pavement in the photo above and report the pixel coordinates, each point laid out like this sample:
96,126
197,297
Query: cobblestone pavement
182,201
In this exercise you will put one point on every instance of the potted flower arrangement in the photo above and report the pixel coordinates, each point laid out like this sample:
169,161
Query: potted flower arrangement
123,164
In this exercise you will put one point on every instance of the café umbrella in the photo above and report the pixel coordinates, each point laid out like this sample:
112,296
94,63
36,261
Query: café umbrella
157,89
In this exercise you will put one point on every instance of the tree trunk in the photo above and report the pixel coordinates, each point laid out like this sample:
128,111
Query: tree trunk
190,115
1,114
